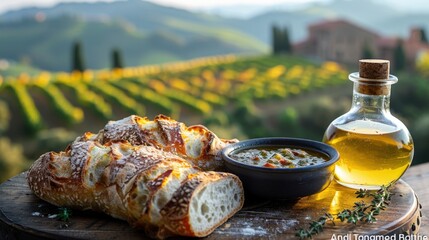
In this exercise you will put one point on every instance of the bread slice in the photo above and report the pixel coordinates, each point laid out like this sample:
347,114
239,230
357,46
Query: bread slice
203,202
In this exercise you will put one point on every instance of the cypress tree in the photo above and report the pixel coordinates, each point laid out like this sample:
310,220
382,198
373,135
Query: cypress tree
286,45
280,40
275,38
424,38
367,52
77,57
399,56
117,61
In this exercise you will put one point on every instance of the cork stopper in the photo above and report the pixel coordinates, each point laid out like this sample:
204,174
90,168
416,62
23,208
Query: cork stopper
375,73
374,68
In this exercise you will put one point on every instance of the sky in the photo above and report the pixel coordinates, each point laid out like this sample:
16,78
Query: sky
6,5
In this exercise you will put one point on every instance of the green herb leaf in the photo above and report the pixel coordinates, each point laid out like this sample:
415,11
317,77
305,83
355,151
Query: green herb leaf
361,193
64,214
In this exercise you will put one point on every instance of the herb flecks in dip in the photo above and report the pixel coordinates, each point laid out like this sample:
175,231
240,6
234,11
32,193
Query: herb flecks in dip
278,157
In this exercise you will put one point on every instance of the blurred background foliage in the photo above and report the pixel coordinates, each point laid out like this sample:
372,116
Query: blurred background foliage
201,69
12,159
242,98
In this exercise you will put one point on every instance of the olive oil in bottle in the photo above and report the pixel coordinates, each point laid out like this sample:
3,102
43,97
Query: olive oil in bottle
375,147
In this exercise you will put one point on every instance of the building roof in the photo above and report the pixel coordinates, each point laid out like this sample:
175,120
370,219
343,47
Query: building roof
332,24
387,42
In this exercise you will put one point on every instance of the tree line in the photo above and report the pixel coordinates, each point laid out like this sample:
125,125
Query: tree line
78,61
281,43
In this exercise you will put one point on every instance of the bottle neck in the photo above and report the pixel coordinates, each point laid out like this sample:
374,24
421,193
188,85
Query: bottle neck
371,103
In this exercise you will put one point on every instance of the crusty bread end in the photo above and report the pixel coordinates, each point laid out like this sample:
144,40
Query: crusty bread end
203,203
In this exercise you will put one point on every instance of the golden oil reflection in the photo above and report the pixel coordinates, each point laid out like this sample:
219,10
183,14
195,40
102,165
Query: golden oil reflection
342,198
336,202
333,199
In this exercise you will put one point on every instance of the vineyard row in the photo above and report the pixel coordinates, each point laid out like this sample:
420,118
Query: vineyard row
201,86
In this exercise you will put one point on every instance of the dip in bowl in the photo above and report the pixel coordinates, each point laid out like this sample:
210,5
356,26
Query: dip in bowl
281,168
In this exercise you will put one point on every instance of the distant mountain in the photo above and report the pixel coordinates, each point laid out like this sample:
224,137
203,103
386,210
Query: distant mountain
251,9
374,16
145,16
400,25
151,33
146,33
296,22
381,18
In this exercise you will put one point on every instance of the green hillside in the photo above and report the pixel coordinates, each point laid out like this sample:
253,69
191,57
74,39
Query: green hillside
47,44
146,34
143,15
149,17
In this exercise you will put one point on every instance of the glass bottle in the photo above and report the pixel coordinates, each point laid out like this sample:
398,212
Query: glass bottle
375,147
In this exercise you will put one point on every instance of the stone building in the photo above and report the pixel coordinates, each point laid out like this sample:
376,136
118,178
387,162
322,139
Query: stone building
337,40
345,42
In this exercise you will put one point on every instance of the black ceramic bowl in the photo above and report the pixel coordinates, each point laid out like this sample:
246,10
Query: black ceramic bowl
282,183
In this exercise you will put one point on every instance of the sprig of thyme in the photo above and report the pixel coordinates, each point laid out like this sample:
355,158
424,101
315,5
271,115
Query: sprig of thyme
64,214
315,226
360,212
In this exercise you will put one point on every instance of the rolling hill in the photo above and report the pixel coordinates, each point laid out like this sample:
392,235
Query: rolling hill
145,32
151,33
47,44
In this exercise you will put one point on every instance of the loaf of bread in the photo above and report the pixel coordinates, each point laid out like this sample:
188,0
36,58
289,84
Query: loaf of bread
138,179
195,143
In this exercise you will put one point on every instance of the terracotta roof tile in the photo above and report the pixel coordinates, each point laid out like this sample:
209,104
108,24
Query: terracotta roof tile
331,24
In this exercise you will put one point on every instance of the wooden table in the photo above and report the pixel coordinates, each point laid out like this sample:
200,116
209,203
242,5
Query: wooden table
418,178
24,216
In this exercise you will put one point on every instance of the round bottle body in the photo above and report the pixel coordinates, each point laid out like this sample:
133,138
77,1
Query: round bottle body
371,153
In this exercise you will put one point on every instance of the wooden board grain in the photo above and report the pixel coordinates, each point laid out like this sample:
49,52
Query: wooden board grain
24,216
417,177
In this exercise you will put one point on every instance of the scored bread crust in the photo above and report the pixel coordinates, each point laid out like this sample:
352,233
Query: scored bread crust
146,185
194,143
